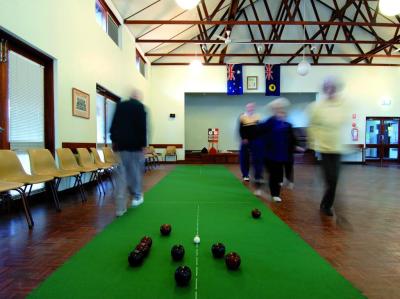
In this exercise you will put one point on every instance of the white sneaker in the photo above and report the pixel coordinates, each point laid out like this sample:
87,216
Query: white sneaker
120,213
258,192
276,199
246,179
137,202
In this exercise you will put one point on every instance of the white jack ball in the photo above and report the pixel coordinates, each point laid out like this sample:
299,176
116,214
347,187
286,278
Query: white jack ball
196,240
303,68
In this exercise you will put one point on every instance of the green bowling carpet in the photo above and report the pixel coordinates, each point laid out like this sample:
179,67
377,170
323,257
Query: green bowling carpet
276,262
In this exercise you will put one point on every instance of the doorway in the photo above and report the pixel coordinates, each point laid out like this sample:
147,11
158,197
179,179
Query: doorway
382,139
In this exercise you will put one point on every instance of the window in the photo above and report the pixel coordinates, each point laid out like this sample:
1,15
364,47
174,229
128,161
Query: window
26,107
26,102
106,103
107,20
140,63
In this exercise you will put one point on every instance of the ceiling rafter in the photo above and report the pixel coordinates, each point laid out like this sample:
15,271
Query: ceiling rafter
348,32
261,22
252,36
233,11
335,14
322,33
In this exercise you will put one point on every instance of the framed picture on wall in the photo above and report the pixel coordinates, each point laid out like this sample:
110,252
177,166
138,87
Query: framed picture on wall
252,82
80,103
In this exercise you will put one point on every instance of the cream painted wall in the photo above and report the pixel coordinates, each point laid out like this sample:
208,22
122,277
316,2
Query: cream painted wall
84,54
365,87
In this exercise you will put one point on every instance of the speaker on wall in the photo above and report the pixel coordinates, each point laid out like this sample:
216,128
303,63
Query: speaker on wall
172,115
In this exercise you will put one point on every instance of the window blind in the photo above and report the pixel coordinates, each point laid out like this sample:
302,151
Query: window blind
112,30
26,102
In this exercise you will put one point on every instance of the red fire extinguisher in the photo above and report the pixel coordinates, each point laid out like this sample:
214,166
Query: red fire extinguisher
354,132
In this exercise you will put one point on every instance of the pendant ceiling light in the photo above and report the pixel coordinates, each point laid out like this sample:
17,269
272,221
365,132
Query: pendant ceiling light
187,4
304,66
196,65
389,7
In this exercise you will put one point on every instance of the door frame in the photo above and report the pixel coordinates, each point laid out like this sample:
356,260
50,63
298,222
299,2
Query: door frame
381,146
18,46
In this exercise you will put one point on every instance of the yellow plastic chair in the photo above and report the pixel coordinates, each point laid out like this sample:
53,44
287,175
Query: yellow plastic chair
107,167
67,161
85,160
43,163
109,156
170,151
9,186
97,160
11,170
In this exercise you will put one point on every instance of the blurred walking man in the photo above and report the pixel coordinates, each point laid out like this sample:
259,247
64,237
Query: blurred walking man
129,137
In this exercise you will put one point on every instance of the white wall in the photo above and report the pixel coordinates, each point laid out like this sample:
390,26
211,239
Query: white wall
365,86
84,54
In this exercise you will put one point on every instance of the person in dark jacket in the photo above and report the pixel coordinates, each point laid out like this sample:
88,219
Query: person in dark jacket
279,144
129,136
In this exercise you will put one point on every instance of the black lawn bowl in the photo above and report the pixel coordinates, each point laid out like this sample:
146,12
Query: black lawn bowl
147,240
256,213
218,250
177,252
135,258
165,229
232,261
144,248
183,275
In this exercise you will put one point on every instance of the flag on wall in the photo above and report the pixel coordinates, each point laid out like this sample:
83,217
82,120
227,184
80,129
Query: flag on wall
235,79
273,80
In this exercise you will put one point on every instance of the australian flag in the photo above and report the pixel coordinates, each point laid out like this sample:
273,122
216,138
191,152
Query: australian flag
235,79
272,80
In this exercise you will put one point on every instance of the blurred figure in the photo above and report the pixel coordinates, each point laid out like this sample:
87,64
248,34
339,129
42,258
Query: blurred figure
324,134
279,144
250,145
129,137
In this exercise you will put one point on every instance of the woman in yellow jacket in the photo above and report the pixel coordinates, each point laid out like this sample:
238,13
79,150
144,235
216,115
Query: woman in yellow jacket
325,136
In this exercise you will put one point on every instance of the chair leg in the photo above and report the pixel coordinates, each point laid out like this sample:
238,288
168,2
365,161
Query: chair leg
80,187
54,192
100,182
28,214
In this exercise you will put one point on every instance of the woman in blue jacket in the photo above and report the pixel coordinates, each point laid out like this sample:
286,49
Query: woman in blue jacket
279,144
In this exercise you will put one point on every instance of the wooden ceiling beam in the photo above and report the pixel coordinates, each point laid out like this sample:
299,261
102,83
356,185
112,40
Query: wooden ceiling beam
377,49
271,55
311,40
252,36
283,64
233,10
335,14
261,22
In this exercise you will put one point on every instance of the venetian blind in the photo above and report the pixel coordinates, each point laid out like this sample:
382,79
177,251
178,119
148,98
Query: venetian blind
26,102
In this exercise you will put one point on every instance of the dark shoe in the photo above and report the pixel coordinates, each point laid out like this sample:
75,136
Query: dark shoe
327,211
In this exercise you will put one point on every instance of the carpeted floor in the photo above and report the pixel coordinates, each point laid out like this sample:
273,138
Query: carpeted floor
276,262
